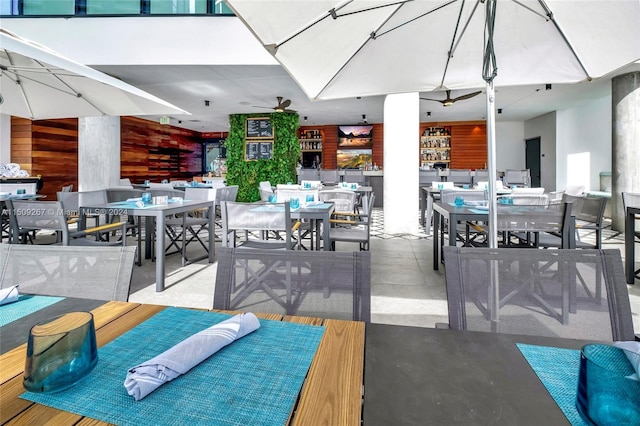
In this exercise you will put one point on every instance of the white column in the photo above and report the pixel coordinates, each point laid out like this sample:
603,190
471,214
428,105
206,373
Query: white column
401,145
98,152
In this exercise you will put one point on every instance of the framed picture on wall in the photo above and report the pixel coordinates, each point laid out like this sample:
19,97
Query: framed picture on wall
357,136
353,158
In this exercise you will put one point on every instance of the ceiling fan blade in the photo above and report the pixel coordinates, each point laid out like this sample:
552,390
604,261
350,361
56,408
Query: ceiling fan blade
284,104
435,100
467,96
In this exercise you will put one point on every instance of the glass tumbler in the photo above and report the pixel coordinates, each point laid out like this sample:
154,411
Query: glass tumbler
60,352
608,393
146,197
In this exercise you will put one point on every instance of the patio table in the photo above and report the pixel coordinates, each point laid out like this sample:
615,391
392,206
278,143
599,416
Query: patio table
629,242
157,213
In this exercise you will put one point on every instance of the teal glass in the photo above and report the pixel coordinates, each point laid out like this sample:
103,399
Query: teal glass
459,201
48,7
440,186
465,186
294,203
60,352
146,197
272,198
168,7
607,395
310,198
110,7
21,191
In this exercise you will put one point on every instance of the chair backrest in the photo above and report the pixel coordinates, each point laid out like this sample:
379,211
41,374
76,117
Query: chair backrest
459,176
517,177
356,176
97,197
577,294
35,215
200,194
122,194
70,202
553,218
343,200
428,176
266,185
329,176
287,186
589,214
165,186
67,188
126,182
480,175
102,273
308,174
630,199
256,221
484,184
329,284
450,195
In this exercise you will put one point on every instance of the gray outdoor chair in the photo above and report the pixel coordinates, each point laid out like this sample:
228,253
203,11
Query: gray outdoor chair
460,176
257,225
27,216
632,199
353,227
577,294
321,284
102,273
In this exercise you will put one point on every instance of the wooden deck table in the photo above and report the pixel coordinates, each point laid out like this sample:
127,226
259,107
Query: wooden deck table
331,393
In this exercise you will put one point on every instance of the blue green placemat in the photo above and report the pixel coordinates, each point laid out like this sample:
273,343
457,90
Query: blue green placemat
253,381
25,305
558,370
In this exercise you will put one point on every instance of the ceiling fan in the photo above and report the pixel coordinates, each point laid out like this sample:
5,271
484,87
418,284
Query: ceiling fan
281,107
450,101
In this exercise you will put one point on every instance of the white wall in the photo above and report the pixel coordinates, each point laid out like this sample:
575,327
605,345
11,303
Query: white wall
510,145
583,147
545,128
5,138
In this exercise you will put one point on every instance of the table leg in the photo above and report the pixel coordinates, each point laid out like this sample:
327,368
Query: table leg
148,237
436,242
427,224
212,233
160,252
325,233
629,246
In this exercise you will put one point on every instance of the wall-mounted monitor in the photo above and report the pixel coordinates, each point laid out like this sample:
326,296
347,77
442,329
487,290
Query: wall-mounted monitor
356,136
213,151
353,158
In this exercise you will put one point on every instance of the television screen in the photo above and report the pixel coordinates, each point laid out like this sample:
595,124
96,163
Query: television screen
353,158
358,136
214,152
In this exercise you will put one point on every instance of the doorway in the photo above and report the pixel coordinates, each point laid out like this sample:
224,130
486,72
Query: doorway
532,160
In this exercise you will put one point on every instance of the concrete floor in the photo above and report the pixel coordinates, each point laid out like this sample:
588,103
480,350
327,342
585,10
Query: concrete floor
405,290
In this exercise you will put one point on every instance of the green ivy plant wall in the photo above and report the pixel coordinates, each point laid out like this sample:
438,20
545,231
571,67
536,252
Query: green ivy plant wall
280,169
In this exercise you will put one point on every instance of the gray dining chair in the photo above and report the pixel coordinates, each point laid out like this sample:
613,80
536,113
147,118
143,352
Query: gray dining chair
257,225
353,227
320,284
577,294
517,178
102,273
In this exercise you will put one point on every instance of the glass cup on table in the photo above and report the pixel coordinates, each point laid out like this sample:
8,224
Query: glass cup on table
294,203
608,386
272,198
309,198
440,186
60,352
146,197
459,201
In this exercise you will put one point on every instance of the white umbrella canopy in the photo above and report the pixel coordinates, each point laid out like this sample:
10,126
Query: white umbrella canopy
347,48
38,83
377,47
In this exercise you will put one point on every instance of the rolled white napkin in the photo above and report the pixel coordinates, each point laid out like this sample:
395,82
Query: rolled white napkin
145,378
9,295
632,350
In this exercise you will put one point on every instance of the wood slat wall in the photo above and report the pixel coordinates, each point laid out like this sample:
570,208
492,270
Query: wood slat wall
153,151
48,148
468,143
330,144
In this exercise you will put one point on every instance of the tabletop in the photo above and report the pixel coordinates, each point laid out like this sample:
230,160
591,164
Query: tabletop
331,393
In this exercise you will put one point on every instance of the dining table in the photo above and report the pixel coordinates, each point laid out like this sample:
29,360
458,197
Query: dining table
155,213
629,242
330,391
360,373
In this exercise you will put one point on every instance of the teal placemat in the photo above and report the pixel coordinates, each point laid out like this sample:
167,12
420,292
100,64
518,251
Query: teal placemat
318,206
253,381
558,370
25,305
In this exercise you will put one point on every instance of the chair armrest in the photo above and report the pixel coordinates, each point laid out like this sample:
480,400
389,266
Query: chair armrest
295,226
98,229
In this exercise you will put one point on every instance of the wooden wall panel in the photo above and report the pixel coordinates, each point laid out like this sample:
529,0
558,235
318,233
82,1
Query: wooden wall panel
330,144
468,143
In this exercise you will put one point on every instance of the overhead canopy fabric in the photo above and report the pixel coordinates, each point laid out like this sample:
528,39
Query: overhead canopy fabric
340,49
38,83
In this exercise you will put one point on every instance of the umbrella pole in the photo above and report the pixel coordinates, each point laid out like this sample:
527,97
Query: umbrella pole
491,164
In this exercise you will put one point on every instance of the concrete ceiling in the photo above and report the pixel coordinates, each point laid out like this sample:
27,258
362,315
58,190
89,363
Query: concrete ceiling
235,89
